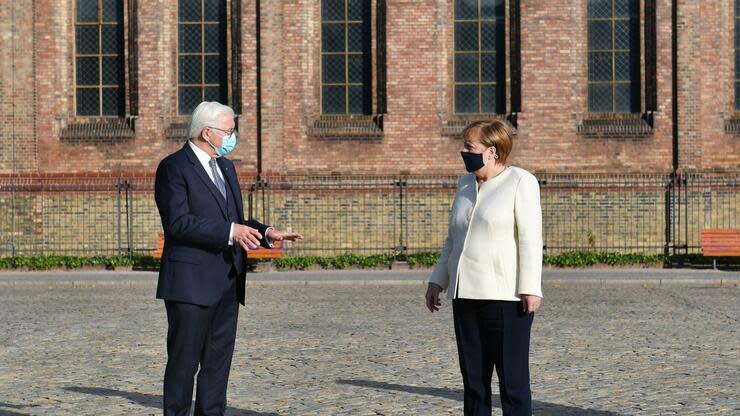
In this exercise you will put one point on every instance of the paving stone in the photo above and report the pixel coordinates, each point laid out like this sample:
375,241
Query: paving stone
598,348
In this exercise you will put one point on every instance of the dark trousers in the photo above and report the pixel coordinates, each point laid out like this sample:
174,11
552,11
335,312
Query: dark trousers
202,335
493,334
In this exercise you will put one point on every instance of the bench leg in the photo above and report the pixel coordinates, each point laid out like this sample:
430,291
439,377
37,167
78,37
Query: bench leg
714,264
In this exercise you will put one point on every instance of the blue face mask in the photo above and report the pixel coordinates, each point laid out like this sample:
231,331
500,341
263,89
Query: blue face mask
227,145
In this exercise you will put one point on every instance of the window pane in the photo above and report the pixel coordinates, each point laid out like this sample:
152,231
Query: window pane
358,37
600,35
466,9
625,8
626,98
88,102
626,66
333,100
112,39
466,36
466,99
466,67
737,95
189,38
360,100
626,33
600,66
86,40
215,69
490,101
599,8
216,94
112,10
215,38
332,10
737,64
189,69
112,71
214,10
332,69
88,71
489,68
491,9
491,35
332,38
189,10
737,33
189,97
600,98
359,70
87,10
112,102
358,10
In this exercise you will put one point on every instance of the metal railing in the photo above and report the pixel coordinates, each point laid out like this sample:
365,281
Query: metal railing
115,215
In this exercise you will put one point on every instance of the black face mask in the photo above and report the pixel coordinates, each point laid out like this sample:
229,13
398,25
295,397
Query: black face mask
473,161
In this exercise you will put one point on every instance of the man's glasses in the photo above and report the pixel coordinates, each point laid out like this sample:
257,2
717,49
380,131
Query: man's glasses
228,132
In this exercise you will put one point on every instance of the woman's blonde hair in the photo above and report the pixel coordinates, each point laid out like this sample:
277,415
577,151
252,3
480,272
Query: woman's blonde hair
489,133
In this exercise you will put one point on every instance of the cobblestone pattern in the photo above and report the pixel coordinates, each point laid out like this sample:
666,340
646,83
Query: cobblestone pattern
598,349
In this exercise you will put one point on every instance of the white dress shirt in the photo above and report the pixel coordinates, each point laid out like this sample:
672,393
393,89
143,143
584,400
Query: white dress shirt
493,248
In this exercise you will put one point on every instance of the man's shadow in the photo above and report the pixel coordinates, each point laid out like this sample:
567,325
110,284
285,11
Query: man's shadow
151,400
538,408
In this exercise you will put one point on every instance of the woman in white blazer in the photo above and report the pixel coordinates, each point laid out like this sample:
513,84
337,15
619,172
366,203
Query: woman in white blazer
491,267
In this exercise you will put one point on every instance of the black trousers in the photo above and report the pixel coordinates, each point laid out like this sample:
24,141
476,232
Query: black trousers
493,334
199,335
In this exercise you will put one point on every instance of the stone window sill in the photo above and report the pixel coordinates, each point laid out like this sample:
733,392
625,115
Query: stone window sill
176,130
99,129
347,127
455,126
617,125
732,125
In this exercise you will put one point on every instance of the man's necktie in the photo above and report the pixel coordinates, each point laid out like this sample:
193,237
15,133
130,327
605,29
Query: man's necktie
217,178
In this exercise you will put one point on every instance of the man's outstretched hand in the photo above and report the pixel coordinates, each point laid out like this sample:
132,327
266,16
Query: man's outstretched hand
276,235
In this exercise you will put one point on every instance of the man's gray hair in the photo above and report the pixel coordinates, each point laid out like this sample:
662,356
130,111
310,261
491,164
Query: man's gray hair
206,114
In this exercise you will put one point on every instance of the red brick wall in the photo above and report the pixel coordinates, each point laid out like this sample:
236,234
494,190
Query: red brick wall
419,49
18,146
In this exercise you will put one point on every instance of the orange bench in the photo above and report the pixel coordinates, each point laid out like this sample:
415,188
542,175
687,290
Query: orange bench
276,252
716,242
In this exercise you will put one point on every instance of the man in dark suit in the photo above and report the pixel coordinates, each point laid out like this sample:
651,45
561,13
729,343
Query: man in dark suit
203,270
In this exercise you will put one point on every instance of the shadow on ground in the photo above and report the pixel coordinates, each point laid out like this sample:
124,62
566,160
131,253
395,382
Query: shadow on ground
151,400
5,406
538,408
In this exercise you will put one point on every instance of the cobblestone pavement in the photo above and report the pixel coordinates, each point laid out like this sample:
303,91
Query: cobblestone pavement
614,348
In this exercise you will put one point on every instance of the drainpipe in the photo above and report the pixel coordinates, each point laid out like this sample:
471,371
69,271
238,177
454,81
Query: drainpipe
258,78
674,81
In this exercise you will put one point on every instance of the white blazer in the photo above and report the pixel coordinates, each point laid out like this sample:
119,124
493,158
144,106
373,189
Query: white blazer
493,248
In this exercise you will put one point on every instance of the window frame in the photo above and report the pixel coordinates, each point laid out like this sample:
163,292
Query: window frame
613,83
227,53
123,55
346,53
500,83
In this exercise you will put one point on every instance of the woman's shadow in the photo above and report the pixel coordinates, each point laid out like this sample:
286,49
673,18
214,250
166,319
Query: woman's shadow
151,400
538,408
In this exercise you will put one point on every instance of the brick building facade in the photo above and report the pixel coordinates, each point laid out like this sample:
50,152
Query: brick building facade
408,121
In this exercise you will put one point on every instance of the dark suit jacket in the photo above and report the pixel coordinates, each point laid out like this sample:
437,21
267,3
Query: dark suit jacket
197,260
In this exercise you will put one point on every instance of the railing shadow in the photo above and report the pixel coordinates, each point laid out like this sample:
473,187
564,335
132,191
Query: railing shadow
538,407
151,400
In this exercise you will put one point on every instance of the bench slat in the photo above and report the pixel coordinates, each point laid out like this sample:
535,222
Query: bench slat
717,242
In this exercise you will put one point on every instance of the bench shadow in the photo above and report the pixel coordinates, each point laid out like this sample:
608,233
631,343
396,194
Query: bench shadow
538,407
151,400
